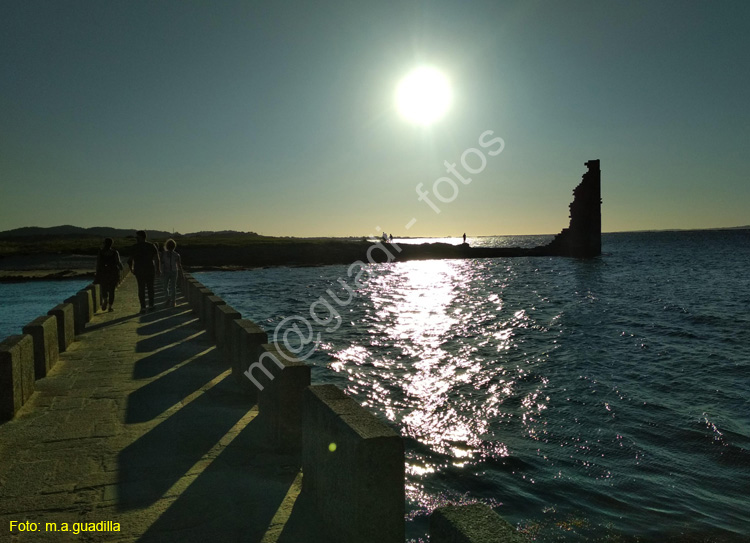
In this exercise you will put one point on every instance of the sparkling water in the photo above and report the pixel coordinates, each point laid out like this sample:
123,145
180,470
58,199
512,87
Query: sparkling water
586,400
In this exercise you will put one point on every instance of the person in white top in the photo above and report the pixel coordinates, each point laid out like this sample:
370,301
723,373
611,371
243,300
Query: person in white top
171,265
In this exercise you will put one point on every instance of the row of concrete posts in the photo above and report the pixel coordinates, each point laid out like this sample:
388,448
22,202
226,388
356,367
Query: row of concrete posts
29,356
352,463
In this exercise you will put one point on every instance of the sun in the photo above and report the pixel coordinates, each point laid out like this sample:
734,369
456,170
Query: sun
423,96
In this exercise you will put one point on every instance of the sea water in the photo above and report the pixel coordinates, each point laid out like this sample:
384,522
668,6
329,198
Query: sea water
585,400
21,303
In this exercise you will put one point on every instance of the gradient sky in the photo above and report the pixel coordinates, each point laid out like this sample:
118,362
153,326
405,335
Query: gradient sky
279,117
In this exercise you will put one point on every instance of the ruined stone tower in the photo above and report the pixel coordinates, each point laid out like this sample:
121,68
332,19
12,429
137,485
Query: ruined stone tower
583,238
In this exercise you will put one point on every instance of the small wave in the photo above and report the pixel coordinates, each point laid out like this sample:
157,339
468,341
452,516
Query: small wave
621,408
509,464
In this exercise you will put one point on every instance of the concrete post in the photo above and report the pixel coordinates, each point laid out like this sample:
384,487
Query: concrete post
208,312
64,315
247,341
86,305
353,467
202,297
81,310
188,289
281,380
223,316
43,331
95,291
194,296
16,374
183,283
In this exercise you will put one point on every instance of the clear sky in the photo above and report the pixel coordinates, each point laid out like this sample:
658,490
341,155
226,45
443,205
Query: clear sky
280,117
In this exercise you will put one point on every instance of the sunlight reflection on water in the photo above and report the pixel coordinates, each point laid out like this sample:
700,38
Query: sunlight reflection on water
449,395
579,397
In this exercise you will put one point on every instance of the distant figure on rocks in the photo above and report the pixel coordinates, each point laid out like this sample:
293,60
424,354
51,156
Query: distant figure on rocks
464,237
108,267
390,238
141,263
171,265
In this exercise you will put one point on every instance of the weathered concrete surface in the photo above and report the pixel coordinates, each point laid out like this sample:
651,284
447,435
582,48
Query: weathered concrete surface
203,305
16,374
354,468
66,332
223,316
191,292
475,523
43,331
83,309
247,341
86,304
79,323
140,423
284,380
96,295
209,314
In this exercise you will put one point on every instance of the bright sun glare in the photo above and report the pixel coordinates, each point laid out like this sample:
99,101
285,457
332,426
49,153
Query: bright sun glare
423,96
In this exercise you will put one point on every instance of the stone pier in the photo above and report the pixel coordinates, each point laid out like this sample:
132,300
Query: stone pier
137,427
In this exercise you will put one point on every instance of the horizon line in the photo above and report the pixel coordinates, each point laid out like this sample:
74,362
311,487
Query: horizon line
354,236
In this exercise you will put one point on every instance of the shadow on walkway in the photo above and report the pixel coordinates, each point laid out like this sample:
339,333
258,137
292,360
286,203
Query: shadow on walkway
179,333
161,320
153,399
94,327
150,466
207,463
237,495
160,361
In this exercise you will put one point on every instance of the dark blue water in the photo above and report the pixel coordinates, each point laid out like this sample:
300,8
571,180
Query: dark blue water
21,303
592,400
600,400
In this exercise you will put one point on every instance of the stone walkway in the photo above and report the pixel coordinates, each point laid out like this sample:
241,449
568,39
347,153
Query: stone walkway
140,423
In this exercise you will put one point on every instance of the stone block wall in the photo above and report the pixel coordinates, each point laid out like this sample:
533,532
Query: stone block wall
280,400
247,339
95,292
352,462
30,356
223,317
64,315
16,374
43,331
353,468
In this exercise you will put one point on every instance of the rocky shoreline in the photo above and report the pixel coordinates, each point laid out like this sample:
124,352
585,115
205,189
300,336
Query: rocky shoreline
55,267
23,276
46,267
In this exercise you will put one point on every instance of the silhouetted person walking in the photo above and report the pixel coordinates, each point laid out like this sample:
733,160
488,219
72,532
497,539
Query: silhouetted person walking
141,263
108,267
464,237
171,264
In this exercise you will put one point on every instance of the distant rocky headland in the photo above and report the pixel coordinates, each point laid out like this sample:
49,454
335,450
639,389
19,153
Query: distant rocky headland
69,251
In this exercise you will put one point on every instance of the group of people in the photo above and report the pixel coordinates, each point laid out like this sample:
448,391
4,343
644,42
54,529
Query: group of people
146,262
